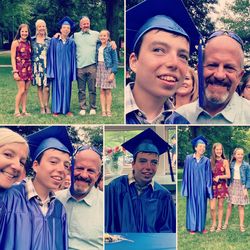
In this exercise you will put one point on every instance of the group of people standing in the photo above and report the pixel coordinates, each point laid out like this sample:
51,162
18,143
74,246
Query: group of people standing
53,63
216,179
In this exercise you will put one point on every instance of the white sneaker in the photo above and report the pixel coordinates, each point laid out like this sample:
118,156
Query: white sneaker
92,112
82,112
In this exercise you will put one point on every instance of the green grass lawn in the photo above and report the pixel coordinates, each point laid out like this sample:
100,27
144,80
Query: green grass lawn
229,239
5,59
8,90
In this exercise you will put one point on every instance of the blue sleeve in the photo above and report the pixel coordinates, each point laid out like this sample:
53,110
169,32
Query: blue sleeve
209,181
73,61
114,58
51,59
184,187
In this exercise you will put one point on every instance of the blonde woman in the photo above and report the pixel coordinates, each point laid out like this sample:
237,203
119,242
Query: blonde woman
188,91
13,154
40,44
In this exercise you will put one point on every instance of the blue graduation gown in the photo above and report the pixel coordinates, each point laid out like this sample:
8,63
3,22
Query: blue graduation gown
197,187
61,68
24,227
152,211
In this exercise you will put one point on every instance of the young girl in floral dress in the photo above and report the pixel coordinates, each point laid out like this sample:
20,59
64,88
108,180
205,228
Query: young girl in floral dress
21,65
238,185
220,173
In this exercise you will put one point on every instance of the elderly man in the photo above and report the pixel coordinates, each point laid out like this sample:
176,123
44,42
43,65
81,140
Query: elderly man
84,202
135,202
223,68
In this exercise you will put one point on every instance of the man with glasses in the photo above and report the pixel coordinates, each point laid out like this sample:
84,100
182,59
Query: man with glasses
84,202
135,202
223,69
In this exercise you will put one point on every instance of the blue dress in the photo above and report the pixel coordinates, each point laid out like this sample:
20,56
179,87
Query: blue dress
125,211
62,70
197,187
24,227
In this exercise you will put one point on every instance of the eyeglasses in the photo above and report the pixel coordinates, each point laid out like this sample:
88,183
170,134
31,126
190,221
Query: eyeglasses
227,33
86,147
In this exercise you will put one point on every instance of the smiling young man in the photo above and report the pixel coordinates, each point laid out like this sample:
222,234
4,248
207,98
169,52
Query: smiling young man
197,186
84,202
135,202
223,69
160,51
62,68
33,218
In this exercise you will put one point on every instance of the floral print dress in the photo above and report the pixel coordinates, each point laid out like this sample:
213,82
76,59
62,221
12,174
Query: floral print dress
39,61
23,60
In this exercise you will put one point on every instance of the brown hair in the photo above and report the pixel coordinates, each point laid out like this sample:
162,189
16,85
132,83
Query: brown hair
18,33
213,156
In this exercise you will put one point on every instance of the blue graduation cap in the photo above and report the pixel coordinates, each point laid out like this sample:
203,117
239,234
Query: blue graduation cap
169,15
147,141
66,21
54,137
199,140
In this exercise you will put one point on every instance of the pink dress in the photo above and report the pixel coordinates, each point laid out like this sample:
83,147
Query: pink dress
220,189
23,60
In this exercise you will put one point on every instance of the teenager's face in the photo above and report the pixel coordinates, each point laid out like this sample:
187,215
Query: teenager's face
239,155
104,37
218,151
12,160
24,32
65,30
200,148
52,169
162,63
86,171
223,58
145,167
187,86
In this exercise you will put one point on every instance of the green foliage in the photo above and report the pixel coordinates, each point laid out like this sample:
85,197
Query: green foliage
230,137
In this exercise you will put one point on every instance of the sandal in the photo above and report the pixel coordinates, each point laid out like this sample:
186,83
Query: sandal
224,227
26,114
219,229
43,111
47,110
104,113
18,114
212,228
242,229
109,113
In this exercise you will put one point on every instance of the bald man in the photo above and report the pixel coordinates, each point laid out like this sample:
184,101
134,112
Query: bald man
84,202
223,69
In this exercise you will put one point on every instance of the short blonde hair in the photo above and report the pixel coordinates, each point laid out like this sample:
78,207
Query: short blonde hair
41,21
8,136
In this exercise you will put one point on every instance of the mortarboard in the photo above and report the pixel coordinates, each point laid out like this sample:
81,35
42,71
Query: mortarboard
199,140
150,142
66,20
176,20
55,137
147,141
